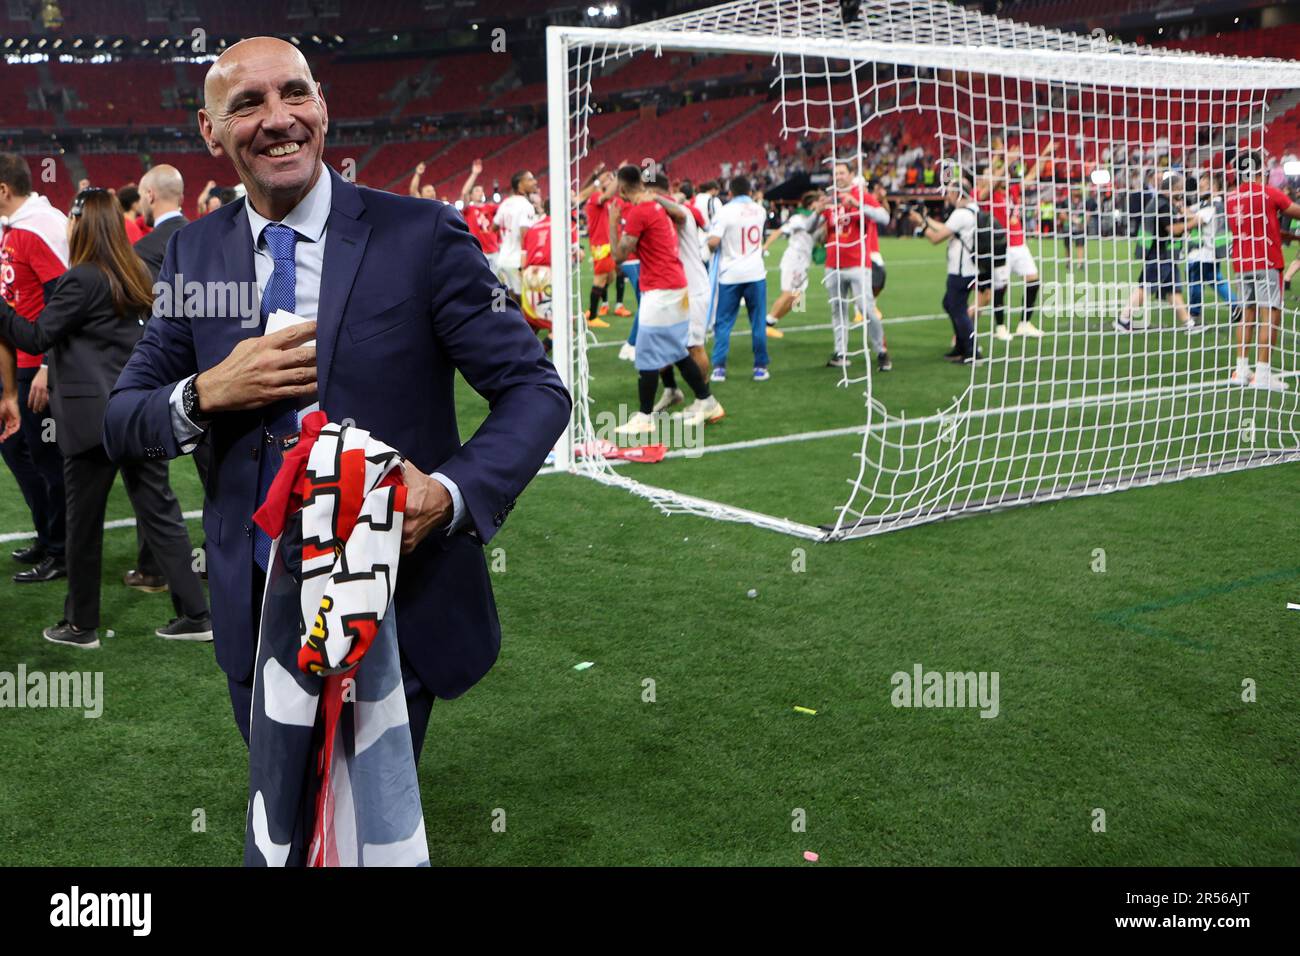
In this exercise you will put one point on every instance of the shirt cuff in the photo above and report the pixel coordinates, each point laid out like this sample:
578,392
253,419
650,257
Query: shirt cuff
186,431
457,501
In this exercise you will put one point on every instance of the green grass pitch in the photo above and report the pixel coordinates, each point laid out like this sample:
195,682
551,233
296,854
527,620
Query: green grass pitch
1119,690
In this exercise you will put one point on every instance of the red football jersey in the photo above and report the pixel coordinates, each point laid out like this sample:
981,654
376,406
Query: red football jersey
537,243
1004,205
656,244
479,216
1252,217
622,206
849,232
26,264
598,219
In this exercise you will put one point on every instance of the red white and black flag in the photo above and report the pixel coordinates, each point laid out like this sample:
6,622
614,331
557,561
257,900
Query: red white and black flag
332,777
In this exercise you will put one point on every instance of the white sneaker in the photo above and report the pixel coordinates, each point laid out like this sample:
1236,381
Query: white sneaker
636,426
1241,374
670,397
702,412
1028,328
1266,378
1191,326
1002,333
628,352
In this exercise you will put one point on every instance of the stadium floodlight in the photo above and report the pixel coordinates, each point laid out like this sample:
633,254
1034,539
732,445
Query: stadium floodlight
1082,410
593,11
609,10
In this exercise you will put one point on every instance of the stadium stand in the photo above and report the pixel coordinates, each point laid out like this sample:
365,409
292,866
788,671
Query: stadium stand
448,109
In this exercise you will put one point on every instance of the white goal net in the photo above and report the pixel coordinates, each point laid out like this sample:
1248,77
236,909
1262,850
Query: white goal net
1107,169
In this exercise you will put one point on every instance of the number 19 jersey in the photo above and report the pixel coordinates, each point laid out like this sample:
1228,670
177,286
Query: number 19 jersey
739,224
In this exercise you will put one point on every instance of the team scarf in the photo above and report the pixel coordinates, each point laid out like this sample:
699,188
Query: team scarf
37,216
332,777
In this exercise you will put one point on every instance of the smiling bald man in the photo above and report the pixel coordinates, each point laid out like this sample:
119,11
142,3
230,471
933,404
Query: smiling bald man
399,297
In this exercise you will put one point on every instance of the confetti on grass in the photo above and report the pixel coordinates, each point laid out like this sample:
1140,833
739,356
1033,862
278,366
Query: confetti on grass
584,665
805,710
810,856
1292,607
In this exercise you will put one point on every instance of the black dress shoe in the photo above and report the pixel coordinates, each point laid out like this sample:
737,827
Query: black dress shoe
31,554
149,583
48,570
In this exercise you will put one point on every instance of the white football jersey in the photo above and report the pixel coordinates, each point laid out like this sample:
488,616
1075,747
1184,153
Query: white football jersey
514,216
798,231
739,224
689,238
707,206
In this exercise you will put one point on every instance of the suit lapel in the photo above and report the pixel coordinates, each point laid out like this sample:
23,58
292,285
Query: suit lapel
345,245
237,250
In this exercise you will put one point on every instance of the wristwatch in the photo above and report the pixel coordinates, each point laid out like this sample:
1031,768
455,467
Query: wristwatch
190,402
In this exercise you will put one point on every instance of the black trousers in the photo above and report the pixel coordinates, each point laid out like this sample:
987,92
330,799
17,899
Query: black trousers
146,562
37,466
955,299
88,479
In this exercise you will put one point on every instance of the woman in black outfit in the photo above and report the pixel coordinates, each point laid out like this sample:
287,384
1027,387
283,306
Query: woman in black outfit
88,328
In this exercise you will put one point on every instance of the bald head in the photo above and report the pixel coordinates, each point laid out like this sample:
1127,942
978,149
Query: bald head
254,50
165,183
263,110
161,191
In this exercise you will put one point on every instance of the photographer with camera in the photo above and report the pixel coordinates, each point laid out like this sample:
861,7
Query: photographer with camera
964,268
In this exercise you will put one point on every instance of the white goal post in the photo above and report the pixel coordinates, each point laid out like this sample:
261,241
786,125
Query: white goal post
1083,409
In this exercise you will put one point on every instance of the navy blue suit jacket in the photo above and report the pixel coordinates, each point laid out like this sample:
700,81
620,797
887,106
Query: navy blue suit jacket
406,299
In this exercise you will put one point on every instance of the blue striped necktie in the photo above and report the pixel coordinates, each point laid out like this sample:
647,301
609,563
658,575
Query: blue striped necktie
281,419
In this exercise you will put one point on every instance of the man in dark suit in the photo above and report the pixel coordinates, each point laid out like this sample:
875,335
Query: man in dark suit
400,298
162,191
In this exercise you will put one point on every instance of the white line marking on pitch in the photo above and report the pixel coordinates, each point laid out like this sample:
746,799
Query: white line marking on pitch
108,526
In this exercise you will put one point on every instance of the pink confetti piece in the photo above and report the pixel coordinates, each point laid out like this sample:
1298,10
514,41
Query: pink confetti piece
810,856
